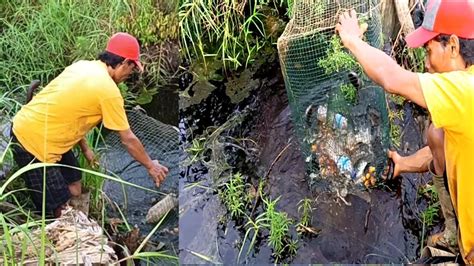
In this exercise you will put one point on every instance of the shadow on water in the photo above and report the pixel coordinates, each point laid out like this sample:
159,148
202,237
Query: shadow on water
379,226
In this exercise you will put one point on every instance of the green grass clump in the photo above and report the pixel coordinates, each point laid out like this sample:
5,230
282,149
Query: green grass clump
43,37
397,99
197,149
431,213
234,196
260,223
349,92
278,225
429,216
395,135
415,59
90,181
148,23
337,59
232,32
395,129
304,207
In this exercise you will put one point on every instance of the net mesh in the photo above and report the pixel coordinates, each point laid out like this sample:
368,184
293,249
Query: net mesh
161,141
340,116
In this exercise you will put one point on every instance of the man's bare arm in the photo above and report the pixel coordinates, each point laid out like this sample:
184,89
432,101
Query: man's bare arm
381,68
137,151
88,153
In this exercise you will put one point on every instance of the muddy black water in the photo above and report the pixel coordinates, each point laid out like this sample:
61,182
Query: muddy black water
379,226
164,106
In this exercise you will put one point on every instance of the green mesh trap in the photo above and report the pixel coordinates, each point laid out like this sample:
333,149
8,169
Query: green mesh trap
161,141
340,116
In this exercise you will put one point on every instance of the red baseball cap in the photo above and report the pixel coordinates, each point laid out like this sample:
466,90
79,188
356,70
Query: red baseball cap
444,17
126,46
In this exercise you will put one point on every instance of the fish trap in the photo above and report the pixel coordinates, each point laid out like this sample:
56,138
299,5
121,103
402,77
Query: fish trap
340,116
161,141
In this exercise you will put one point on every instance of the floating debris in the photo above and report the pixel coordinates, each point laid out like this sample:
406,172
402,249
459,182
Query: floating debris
161,208
72,239
370,179
307,230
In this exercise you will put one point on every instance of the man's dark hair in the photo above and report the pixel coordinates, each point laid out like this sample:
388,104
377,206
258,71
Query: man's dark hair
111,59
466,47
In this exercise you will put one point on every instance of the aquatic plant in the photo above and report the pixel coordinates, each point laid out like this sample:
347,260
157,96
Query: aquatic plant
349,92
256,226
304,207
197,149
292,246
233,32
234,196
278,226
337,59
431,213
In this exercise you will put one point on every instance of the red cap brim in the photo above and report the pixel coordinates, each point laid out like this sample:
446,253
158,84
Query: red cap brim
419,37
139,65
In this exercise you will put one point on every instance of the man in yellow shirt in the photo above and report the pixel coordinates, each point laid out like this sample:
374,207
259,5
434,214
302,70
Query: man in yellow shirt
448,37
58,118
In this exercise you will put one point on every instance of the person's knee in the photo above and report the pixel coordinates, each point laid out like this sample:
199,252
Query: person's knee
75,188
435,137
435,140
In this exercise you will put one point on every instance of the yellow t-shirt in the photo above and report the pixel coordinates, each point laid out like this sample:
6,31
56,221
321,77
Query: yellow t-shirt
61,114
450,100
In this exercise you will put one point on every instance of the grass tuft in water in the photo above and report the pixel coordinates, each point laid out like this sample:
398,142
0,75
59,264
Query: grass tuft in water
279,225
234,196
304,207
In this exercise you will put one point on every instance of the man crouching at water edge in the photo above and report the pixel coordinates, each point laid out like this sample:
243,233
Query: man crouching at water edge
447,92
58,118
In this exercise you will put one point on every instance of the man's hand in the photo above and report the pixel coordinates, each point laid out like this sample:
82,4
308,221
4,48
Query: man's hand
158,172
348,27
90,157
133,145
88,153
